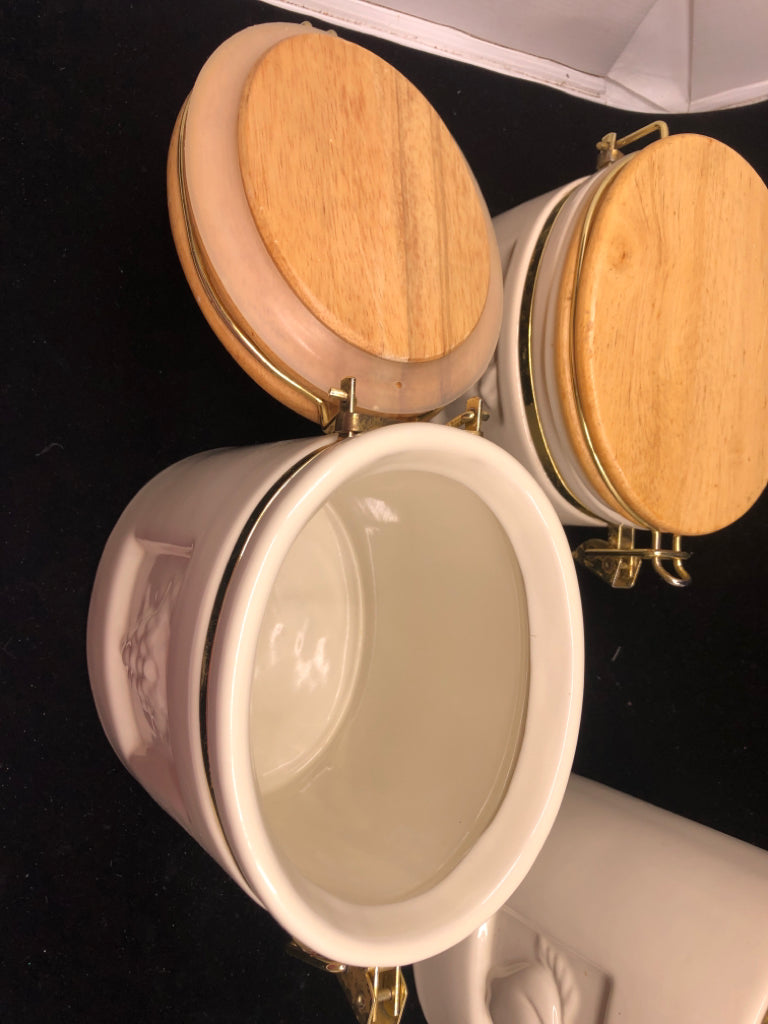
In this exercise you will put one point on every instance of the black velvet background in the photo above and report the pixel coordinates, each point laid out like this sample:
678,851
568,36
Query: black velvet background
109,912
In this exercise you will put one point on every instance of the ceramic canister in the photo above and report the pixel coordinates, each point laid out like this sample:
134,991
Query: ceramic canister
349,666
630,374
630,915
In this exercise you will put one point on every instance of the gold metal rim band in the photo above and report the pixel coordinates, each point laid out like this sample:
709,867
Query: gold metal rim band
218,603
219,300
525,358
525,363
626,553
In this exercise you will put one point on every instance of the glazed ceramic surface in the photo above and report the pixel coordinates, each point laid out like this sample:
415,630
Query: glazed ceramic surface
502,386
352,670
630,915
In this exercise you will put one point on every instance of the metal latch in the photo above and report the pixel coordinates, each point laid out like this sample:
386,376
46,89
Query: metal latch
377,995
348,421
473,417
617,561
609,148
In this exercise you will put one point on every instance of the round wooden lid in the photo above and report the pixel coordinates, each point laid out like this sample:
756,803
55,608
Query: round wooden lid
363,199
330,227
668,338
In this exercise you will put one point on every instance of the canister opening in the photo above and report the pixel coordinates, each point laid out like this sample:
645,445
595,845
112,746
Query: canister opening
389,686
394,692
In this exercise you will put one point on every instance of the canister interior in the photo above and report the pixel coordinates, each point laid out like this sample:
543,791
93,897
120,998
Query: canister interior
390,685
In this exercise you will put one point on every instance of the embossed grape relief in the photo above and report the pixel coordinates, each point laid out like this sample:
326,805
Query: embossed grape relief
145,646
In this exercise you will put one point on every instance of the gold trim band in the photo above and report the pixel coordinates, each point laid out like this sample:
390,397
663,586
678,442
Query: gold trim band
525,358
589,217
237,552
222,303
525,363
617,560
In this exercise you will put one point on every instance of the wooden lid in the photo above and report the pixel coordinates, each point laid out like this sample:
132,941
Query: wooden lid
669,344
330,226
363,199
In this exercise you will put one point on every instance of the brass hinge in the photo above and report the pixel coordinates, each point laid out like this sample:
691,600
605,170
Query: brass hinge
617,561
377,995
348,421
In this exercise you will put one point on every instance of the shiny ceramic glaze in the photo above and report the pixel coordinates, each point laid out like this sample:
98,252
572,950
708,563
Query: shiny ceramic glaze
630,915
352,670
502,387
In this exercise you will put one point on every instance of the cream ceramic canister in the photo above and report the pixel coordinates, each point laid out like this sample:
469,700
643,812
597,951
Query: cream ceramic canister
630,372
630,915
350,666
351,670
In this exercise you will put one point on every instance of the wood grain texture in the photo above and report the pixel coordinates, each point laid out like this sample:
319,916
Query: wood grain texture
670,340
363,199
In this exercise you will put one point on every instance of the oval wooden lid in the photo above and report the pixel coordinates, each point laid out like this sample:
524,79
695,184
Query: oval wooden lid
363,198
670,337
329,226
366,207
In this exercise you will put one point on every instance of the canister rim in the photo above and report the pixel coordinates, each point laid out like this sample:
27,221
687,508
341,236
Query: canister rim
428,923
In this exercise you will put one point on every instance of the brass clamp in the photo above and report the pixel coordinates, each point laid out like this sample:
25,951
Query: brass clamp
609,148
377,995
473,417
348,421
617,561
